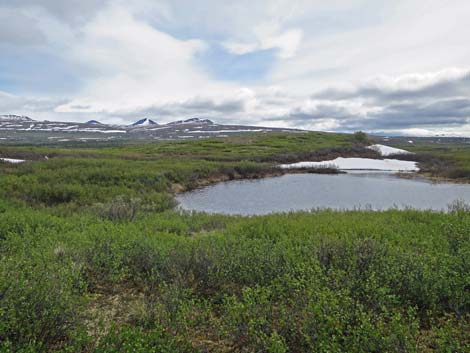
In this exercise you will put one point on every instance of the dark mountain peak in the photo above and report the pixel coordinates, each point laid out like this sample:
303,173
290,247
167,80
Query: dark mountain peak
94,122
144,122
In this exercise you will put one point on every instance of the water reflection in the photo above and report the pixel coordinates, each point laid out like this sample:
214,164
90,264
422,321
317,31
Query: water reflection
371,190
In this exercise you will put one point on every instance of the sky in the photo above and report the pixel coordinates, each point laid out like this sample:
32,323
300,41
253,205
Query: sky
387,67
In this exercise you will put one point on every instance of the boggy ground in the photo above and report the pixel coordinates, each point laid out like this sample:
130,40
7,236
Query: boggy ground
94,259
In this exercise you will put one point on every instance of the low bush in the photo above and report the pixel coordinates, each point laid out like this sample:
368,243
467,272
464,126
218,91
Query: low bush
134,340
360,137
39,302
120,208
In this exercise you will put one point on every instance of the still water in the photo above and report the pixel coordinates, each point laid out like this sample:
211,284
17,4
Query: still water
290,192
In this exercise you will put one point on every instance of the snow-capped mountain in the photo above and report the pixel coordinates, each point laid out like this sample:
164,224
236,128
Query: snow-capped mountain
144,122
12,117
19,123
192,121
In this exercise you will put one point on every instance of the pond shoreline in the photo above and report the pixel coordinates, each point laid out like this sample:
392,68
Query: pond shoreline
433,178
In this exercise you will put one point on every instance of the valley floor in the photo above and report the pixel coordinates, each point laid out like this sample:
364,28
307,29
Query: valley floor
93,257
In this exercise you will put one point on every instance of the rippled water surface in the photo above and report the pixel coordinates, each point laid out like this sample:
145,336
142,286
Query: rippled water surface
307,191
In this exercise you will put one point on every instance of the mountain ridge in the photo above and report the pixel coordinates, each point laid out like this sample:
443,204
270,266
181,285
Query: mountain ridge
140,122
22,128
15,117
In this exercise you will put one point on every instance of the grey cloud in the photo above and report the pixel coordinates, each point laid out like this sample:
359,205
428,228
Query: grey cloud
196,106
457,108
446,112
450,85
442,113
439,99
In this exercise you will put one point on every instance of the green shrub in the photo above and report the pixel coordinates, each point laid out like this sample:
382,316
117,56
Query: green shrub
120,208
134,340
361,137
55,194
39,302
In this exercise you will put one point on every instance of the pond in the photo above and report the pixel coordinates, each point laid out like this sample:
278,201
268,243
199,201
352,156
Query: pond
292,192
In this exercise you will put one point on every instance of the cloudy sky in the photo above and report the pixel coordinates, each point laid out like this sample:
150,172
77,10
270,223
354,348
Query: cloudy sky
395,67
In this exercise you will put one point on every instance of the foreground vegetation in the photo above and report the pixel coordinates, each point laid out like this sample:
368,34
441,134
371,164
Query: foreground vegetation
93,258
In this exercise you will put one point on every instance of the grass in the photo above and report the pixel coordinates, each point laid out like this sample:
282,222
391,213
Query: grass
93,258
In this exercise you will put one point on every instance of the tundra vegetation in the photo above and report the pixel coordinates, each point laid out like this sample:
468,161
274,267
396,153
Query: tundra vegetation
95,258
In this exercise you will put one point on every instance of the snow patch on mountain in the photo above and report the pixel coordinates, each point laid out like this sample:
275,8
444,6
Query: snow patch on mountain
192,121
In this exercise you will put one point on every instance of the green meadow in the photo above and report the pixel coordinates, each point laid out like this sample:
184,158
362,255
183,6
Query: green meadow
94,257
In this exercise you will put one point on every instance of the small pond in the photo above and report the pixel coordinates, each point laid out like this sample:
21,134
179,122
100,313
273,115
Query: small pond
291,192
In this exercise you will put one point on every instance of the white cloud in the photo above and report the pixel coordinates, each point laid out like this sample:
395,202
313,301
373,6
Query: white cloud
269,37
135,64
